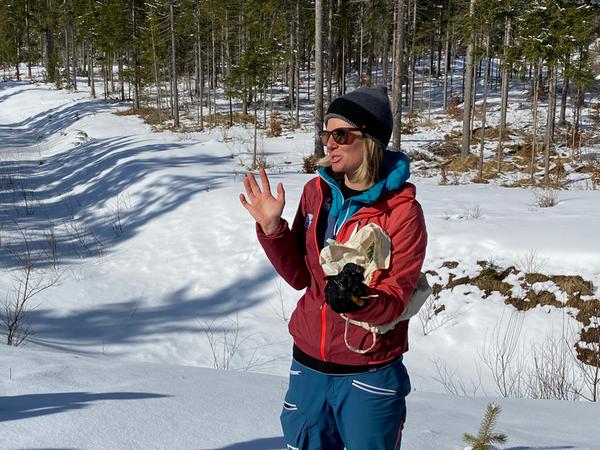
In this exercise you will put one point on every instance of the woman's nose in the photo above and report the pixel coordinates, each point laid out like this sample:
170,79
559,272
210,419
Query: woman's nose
331,144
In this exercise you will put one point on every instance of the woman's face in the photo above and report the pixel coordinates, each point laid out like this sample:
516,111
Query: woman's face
345,158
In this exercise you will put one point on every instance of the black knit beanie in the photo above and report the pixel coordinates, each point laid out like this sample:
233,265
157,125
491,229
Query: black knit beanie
366,107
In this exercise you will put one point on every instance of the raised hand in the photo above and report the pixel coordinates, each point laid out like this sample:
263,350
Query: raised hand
261,204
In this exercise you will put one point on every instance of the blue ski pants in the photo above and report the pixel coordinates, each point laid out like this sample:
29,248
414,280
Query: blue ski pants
364,411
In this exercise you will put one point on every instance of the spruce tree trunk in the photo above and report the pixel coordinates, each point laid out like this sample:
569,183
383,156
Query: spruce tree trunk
504,93
297,63
121,78
535,122
50,57
412,61
136,75
398,72
91,72
28,39
105,75
562,121
319,151
174,91
486,80
74,58
156,77
67,62
329,50
549,137
466,138
446,65
360,45
385,56
199,68
292,71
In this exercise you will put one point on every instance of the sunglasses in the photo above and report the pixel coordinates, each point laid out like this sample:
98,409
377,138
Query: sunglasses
341,136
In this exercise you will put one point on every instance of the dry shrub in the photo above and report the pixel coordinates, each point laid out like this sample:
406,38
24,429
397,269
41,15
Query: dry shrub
460,164
490,133
417,155
443,149
221,119
453,110
558,172
309,164
275,128
490,168
593,168
408,128
152,116
454,137
545,198
517,183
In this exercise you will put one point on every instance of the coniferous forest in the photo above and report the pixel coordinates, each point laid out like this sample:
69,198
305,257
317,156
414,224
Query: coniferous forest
171,56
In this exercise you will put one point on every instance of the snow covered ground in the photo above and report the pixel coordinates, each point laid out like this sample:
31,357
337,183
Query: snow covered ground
61,401
162,280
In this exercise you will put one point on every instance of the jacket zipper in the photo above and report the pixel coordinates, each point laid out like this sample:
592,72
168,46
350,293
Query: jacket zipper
323,305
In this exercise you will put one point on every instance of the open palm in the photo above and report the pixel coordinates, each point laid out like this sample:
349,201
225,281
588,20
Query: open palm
261,204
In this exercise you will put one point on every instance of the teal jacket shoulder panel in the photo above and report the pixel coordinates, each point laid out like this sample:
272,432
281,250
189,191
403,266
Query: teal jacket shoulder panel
397,172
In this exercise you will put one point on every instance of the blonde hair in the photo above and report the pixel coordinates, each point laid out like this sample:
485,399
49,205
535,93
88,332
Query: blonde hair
370,171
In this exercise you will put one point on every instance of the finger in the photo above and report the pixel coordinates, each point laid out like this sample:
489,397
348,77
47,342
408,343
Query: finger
266,186
244,201
253,184
248,189
280,192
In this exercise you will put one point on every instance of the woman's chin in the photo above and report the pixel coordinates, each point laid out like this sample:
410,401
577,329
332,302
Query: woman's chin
337,167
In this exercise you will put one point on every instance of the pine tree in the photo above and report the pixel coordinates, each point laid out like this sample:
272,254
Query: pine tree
486,435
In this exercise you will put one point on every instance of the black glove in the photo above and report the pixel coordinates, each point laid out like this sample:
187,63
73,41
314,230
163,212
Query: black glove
343,291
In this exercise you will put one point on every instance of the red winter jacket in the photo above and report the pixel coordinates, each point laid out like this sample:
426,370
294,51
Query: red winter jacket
319,331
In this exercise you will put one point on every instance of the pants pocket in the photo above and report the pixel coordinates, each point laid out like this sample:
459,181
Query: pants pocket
376,390
392,381
294,426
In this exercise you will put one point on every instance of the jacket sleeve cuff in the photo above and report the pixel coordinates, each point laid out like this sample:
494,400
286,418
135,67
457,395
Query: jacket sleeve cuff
279,231
380,310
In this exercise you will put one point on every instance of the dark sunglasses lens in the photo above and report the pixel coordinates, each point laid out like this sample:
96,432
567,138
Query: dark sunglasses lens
339,136
324,135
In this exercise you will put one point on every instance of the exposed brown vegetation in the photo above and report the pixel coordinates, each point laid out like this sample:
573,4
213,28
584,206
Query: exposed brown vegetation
492,278
275,128
309,164
460,164
151,116
453,110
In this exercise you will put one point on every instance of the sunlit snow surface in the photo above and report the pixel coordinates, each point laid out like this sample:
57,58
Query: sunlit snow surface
161,276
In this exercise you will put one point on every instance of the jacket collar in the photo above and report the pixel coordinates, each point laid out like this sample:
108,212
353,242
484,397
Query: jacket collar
396,172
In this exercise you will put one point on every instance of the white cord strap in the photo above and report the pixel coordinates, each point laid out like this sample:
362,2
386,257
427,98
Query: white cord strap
351,347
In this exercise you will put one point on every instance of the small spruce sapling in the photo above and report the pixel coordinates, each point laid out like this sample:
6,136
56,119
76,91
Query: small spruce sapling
486,435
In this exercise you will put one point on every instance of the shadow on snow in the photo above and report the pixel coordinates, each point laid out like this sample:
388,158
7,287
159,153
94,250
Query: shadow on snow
34,405
131,321
73,189
273,443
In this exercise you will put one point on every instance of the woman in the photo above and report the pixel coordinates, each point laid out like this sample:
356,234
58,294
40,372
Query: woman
347,381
